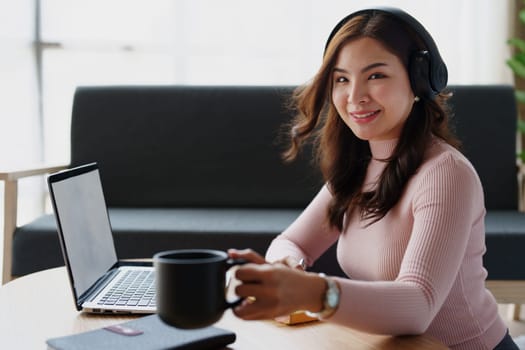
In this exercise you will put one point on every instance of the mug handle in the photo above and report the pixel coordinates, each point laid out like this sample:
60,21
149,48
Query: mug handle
231,263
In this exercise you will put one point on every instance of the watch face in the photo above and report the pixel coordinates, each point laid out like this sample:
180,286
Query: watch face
332,298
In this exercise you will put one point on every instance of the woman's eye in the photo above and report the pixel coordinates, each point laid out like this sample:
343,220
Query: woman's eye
376,76
340,79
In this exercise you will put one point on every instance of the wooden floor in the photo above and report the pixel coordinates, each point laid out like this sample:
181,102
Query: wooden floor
516,328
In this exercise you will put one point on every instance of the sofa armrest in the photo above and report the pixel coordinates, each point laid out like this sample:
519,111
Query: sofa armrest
10,179
508,292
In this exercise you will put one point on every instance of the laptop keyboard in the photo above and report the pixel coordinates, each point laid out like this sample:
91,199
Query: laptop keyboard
134,288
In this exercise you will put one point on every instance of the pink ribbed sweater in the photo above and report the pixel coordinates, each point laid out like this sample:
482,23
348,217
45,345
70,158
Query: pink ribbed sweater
417,270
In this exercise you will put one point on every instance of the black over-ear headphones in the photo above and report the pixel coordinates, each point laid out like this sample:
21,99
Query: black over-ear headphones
427,71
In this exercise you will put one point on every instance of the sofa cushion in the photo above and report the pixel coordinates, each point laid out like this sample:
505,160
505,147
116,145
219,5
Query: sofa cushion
505,240
139,233
485,119
190,146
36,246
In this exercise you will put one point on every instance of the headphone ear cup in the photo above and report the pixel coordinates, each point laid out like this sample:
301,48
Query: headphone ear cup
420,74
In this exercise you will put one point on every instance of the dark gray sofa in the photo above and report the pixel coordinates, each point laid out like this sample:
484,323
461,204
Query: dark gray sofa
194,166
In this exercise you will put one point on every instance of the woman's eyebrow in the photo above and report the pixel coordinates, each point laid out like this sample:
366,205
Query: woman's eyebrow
340,70
363,70
372,66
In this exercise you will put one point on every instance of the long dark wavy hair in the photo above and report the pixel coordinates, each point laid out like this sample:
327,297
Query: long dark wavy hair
342,157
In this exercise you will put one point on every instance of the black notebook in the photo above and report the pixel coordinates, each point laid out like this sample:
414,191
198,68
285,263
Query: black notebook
145,333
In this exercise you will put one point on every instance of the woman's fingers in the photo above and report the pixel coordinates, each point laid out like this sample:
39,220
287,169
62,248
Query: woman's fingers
260,302
247,254
272,290
293,262
254,257
251,310
259,273
268,289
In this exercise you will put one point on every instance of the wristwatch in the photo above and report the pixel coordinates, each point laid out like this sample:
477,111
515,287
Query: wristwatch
330,300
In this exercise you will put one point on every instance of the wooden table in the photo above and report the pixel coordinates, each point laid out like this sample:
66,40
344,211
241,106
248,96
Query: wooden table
26,322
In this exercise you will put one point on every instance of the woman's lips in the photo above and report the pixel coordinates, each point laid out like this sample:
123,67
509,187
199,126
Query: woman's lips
364,117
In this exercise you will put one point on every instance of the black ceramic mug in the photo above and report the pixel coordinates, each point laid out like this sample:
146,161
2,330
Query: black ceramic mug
191,286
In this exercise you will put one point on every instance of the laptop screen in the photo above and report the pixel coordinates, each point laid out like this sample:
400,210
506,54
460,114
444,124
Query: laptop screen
82,217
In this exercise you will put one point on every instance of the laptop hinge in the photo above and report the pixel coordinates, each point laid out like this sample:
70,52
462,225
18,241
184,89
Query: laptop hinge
93,291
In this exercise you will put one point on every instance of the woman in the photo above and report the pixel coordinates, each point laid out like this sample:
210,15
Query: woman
405,206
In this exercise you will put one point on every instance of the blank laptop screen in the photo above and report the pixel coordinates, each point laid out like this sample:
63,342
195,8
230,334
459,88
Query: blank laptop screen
81,210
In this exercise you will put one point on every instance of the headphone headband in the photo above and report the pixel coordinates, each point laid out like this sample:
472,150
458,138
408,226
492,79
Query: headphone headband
438,74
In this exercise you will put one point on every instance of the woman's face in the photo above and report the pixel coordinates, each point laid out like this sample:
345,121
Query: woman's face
371,90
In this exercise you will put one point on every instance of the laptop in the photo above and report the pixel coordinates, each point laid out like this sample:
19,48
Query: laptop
99,281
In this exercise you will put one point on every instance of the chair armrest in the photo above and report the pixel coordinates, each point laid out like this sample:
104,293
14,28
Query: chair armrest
15,174
10,179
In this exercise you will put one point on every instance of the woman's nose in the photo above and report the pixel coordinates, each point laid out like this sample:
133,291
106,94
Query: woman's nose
357,94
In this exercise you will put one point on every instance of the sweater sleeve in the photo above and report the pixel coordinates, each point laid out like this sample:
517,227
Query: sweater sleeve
445,206
309,236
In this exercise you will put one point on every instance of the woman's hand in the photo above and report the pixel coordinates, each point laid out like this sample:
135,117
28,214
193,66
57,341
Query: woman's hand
246,254
272,290
254,257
